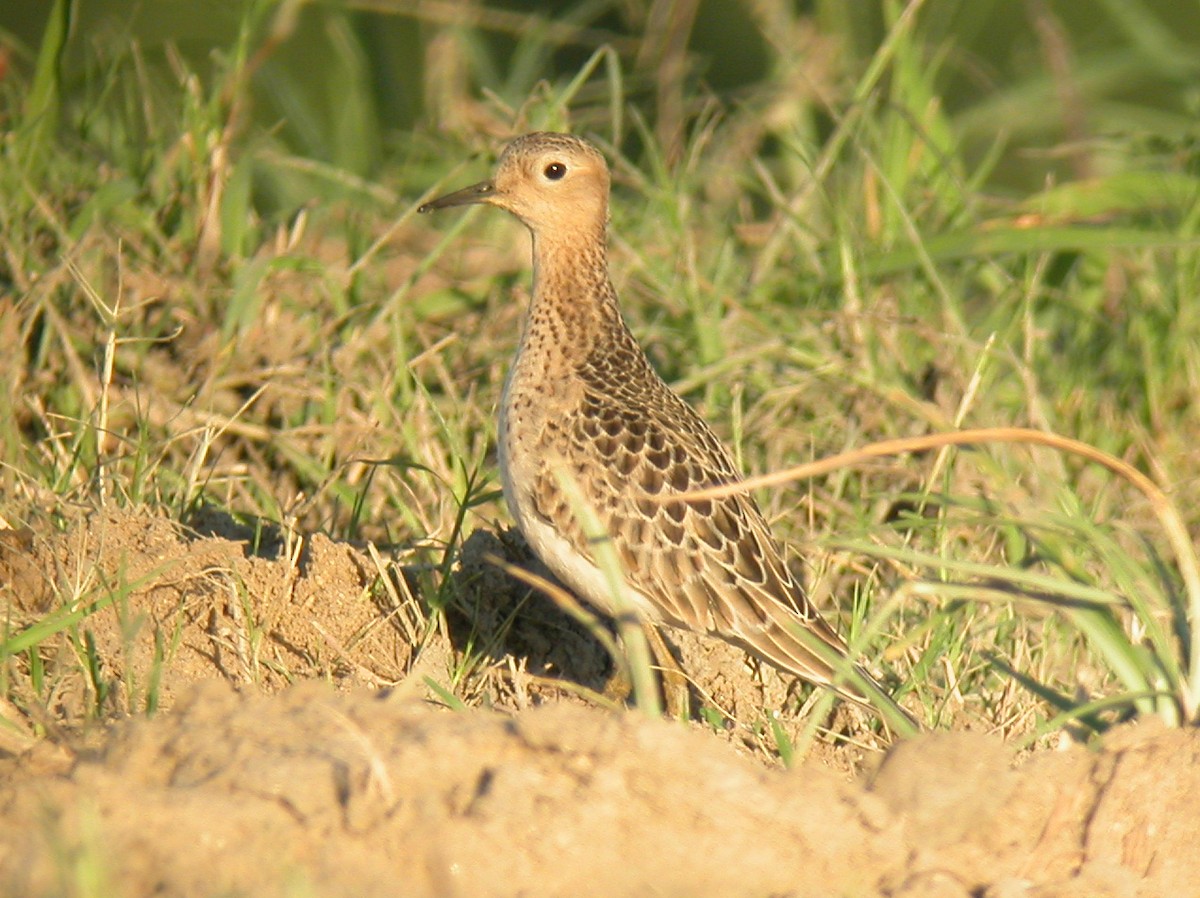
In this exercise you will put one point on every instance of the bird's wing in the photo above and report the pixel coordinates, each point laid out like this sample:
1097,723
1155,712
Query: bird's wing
709,565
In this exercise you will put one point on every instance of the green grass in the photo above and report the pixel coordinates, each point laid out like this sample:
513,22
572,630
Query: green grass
208,306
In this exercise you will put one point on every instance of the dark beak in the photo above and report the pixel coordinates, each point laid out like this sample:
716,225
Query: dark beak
476,193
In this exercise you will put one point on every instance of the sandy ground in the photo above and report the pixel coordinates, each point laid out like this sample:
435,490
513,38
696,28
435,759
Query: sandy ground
297,748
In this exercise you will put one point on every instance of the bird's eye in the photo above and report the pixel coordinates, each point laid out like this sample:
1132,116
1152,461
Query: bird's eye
555,171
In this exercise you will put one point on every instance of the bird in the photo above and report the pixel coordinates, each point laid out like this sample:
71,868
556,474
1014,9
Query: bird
589,434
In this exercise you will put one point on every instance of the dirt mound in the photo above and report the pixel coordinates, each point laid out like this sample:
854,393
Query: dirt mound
169,606
314,792
242,783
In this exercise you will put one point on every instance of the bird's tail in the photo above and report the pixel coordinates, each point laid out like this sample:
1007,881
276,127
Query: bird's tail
811,650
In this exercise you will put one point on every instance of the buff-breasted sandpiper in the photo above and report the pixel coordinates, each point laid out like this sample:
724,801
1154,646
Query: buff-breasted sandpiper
585,419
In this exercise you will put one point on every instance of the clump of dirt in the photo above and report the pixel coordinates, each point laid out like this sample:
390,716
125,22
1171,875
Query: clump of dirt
172,607
361,793
353,782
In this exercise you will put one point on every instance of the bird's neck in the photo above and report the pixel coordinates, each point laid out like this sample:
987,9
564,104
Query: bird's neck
574,305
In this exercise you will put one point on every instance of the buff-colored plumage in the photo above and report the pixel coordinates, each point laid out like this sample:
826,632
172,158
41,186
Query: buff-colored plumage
585,422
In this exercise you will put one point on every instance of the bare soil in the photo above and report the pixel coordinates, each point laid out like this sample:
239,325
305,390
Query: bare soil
299,744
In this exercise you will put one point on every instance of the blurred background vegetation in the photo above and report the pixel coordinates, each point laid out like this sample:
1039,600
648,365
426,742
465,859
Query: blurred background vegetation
1035,90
